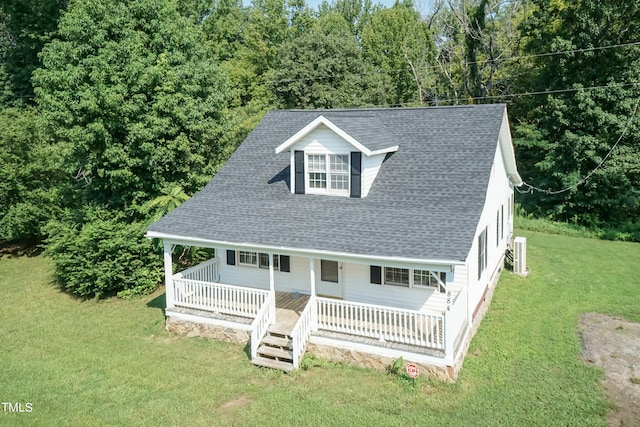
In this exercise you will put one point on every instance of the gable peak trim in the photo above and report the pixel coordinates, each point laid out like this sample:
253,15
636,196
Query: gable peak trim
322,120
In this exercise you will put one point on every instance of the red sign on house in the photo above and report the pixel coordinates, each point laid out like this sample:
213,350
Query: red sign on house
412,370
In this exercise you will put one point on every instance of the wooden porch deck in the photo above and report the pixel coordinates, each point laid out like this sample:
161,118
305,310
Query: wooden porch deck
289,306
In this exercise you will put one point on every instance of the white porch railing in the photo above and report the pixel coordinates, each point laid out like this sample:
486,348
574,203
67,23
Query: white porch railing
218,297
380,322
265,316
205,272
302,332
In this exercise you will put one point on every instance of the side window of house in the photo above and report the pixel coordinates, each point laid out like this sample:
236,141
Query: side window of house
258,259
482,252
407,277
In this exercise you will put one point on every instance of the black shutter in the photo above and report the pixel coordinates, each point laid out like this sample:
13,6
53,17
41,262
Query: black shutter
376,274
285,264
299,171
356,173
231,257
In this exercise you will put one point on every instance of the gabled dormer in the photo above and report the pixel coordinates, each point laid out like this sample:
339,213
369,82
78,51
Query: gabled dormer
339,157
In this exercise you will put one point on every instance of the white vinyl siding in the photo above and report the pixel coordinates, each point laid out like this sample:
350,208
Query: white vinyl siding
370,168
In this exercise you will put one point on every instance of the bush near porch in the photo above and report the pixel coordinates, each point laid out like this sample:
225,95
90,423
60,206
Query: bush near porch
111,362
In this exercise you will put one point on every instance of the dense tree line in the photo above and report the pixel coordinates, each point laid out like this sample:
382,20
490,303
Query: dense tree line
114,111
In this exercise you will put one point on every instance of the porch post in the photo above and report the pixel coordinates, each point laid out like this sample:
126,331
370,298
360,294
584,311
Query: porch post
312,299
272,280
168,274
272,288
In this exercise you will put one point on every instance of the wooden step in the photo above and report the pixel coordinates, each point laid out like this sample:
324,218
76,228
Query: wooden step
273,364
275,353
278,331
276,341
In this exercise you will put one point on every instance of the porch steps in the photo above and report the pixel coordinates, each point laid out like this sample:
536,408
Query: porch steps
275,351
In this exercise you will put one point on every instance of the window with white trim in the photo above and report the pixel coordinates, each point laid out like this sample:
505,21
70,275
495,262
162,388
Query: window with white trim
328,173
247,258
255,259
413,278
482,252
317,170
263,261
396,276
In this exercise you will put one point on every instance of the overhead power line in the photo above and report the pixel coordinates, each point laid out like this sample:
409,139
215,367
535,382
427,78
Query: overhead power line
485,61
529,189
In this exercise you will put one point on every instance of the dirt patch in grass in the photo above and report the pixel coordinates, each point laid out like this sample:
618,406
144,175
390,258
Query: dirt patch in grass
234,404
614,345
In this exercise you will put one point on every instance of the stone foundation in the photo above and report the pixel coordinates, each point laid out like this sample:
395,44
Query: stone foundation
373,361
192,329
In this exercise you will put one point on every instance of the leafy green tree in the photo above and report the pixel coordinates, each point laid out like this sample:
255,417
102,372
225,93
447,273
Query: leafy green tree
399,44
25,27
130,87
567,136
320,70
32,176
356,13
130,93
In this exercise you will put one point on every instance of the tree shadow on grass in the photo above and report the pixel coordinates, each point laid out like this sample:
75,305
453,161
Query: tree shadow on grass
18,249
159,302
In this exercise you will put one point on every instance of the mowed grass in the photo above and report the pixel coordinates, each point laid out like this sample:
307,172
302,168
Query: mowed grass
112,363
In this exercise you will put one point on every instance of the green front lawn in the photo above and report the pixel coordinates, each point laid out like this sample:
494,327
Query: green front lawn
111,362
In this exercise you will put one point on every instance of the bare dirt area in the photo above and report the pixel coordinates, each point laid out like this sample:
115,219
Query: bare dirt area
614,345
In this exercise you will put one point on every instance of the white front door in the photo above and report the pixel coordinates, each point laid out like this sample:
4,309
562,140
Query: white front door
329,280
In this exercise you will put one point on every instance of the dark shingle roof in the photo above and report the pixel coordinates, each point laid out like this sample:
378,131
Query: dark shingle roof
424,204
365,127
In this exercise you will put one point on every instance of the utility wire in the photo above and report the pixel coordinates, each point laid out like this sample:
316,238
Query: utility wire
529,189
542,92
485,61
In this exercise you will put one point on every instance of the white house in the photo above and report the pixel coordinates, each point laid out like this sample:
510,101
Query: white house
363,234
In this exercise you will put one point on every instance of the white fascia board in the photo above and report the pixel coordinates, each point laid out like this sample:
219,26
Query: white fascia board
439,264
321,120
508,154
386,150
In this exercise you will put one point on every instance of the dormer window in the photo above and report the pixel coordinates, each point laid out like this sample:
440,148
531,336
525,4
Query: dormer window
328,173
337,160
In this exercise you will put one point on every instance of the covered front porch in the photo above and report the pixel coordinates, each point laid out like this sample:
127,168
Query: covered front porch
281,323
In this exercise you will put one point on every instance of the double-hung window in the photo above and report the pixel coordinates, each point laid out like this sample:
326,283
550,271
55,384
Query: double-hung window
247,258
257,259
263,261
317,171
412,278
396,276
328,173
